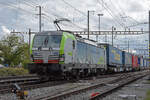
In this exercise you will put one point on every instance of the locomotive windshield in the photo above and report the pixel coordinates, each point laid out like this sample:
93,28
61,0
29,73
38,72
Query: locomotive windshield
52,41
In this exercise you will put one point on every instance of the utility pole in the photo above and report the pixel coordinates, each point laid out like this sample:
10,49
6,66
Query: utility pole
112,34
128,46
113,28
149,38
40,14
99,26
88,24
29,40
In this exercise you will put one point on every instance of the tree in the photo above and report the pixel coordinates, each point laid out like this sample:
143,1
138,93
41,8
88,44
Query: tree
14,51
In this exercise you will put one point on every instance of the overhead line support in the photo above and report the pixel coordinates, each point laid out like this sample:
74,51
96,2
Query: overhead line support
110,32
149,37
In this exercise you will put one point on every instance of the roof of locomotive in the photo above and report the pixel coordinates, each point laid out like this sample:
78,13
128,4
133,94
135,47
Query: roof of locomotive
78,37
53,32
49,33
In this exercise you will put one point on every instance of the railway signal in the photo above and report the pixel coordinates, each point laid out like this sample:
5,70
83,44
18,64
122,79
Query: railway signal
20,93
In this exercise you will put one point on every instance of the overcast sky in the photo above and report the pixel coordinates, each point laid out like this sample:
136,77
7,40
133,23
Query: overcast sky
21,14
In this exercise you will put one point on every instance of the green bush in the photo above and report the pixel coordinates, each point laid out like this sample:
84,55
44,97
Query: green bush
13,71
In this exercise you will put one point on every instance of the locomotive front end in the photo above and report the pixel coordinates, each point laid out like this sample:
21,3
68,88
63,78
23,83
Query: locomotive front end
45,53
46,48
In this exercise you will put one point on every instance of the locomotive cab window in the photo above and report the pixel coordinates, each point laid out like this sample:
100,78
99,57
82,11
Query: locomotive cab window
52,41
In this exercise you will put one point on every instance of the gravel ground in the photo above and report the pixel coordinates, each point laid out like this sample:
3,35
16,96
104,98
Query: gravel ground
68,87
137,89
57,89
134,91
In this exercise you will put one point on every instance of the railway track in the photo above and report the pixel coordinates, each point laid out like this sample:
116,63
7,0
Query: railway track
32,82
26,83
65,89
103,86
17,77
6,83
110,89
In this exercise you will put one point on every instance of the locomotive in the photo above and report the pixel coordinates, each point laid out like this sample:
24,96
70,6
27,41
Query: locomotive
64,54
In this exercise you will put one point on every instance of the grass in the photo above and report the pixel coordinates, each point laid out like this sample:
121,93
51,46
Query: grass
148,82
147,95
13,71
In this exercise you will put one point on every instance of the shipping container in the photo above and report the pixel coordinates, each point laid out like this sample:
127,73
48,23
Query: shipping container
141,63
139,60
144,62
96,55
90,54
126,59
134,61
147,63
114,56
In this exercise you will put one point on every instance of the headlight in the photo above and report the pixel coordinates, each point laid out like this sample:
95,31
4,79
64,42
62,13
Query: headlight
62,57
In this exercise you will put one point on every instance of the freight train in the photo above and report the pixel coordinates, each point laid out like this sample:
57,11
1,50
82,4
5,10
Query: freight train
64,54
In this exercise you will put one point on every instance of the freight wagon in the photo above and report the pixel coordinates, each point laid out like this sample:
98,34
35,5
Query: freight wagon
114,58
134,62
141,64
127,61
139,61
147,64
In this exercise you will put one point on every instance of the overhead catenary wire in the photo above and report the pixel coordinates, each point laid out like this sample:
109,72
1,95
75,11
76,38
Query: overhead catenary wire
28,3
15,7
49,17
58,16
123,15
32,2
82,13
120,13
110,13
75,8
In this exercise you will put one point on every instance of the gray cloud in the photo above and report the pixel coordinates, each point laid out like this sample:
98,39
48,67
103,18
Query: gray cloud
135,7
